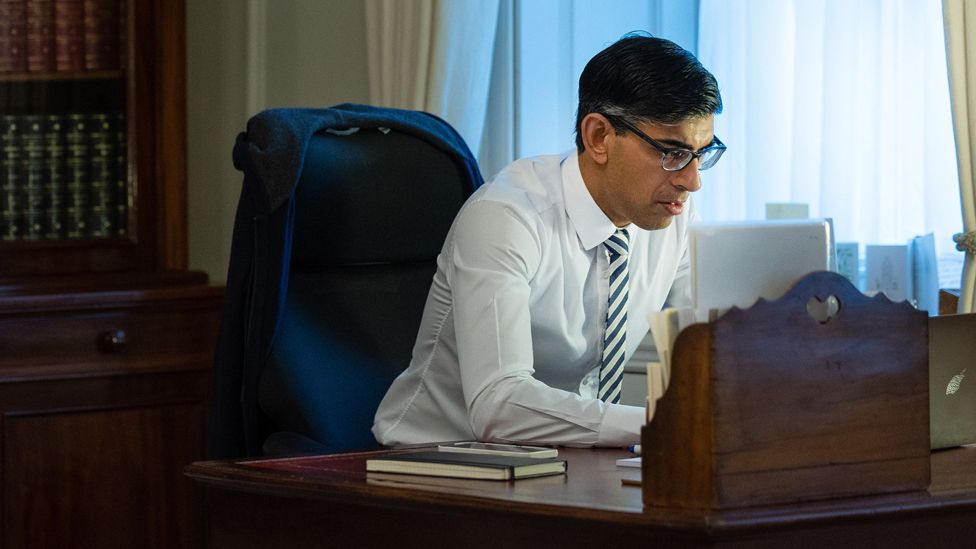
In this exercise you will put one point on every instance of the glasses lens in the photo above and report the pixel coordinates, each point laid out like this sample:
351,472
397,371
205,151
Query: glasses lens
675,160
709,158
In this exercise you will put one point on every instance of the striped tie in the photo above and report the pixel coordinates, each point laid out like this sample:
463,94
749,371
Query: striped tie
614,340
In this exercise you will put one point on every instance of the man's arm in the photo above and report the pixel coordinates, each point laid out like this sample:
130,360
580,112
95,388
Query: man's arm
496,254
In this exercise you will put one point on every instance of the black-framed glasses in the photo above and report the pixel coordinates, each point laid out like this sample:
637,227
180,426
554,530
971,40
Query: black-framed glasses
674,159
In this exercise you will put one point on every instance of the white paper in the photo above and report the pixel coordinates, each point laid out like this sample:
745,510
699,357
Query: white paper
888,269
925,274
787,210
629,462
847,262
664,326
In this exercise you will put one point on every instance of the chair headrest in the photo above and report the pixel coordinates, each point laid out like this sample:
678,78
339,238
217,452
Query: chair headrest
373,197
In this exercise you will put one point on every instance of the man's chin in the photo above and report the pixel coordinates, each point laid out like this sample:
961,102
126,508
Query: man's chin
655,223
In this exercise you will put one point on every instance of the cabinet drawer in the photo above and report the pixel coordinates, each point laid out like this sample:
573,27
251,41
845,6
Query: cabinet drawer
125,336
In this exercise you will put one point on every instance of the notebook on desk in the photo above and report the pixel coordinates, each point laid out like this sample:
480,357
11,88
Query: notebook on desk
952,380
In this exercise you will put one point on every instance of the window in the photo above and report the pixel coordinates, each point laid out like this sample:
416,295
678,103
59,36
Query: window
841,105
555,39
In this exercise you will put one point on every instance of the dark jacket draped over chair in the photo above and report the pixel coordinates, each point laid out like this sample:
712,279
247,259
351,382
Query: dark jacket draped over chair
341,217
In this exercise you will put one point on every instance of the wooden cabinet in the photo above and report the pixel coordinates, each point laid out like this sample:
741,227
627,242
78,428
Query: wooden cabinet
102,403
106,339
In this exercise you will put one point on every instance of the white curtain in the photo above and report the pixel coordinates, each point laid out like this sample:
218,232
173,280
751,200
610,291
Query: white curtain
960,39
842,105
434,56
556,38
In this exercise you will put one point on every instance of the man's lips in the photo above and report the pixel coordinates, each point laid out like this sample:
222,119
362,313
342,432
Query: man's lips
674,207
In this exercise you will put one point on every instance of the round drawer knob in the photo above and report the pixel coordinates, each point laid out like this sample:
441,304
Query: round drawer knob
112,341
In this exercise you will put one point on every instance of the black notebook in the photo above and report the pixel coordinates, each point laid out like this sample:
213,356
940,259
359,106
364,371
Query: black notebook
449,464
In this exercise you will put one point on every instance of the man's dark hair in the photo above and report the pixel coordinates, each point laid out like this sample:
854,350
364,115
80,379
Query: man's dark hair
641,78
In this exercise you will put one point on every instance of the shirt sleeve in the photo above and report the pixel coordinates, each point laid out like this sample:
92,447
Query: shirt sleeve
495,256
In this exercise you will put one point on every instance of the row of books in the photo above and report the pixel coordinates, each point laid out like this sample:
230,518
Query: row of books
63,176
46,36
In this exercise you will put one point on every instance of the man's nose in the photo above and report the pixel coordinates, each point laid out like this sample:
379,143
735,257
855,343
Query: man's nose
688,178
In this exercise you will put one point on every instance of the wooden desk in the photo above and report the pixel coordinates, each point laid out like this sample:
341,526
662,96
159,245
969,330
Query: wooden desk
333,502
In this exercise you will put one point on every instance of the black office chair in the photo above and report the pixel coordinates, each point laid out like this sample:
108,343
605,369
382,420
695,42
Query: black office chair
336,279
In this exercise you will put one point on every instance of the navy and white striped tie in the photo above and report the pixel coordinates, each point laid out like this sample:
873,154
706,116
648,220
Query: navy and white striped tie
615,337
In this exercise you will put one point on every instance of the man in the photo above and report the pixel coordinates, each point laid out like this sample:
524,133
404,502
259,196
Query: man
545,280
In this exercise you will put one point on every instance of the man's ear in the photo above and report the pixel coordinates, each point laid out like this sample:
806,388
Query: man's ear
596,132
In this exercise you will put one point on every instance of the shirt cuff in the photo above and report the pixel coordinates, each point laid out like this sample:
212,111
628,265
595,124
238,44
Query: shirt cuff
621,425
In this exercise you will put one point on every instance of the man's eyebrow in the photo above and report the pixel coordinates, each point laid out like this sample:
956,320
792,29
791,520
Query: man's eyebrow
675,143
678,144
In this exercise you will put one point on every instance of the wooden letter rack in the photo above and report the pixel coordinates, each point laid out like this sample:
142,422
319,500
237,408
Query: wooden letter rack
769,405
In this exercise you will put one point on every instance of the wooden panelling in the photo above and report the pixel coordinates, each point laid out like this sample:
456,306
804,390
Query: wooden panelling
106,478
95,439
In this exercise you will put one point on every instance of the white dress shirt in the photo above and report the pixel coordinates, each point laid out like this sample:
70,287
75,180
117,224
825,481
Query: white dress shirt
512,334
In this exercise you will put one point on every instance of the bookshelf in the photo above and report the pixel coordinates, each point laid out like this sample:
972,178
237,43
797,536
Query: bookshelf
92,137
107,337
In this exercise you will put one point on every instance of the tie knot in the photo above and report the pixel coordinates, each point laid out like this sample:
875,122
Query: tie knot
618,244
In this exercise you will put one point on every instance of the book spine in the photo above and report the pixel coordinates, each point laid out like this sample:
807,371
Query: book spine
69,35
10,179
101,139
101,34
32,158
121,36
77,174
40,35
54,177
123,198
13,36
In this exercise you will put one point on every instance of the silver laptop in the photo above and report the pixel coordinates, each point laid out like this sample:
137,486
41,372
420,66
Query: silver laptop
952,380
736,263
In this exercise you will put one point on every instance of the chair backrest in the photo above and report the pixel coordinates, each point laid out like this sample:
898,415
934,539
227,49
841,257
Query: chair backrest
372,210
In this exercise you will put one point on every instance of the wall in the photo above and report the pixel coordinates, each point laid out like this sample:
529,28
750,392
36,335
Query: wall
242,57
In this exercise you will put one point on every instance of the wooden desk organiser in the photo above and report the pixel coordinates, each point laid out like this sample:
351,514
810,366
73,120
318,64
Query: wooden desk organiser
767,405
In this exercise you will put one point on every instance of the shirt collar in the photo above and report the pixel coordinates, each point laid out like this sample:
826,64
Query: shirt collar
592,226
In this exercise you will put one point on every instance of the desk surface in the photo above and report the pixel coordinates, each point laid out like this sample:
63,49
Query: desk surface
319,501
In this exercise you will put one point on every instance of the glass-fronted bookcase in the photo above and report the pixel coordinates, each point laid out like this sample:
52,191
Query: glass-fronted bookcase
106,338
92,137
